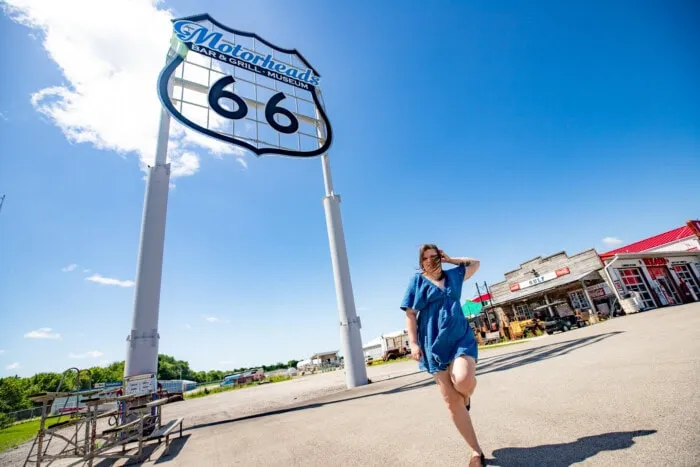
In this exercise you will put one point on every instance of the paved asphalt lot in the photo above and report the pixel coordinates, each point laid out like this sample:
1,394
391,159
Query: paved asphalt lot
623,392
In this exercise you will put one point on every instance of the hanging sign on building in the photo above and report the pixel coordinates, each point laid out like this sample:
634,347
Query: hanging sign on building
599,290
238,88
540,279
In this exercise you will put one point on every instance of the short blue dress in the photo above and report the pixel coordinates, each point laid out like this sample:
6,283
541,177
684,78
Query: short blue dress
443,332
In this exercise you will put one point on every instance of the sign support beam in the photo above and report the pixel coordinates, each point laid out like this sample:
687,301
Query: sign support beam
142,341
350,337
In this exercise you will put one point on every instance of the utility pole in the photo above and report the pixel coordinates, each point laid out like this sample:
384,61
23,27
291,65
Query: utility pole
478,294
488,292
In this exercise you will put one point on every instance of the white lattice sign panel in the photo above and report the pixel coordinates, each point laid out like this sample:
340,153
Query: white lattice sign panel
236,87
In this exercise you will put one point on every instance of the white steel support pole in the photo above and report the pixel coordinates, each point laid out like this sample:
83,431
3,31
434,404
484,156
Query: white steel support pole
142,341
350,337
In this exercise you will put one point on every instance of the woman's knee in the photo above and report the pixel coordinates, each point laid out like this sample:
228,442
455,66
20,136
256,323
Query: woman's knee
463,374
465,383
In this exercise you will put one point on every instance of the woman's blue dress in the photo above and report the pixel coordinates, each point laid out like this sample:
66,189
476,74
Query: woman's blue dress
443,332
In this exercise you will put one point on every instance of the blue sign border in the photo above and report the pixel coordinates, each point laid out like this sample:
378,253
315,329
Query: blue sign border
172,65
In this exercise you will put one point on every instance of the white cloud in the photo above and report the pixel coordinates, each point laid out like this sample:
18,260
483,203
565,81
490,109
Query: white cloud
2,351
69,268
110,55
99,279
90,354
242,162
42,333
612,241
86,271
215,319
104,363
12,366
187,326
3,117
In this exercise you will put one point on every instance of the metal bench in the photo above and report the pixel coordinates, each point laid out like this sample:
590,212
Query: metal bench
165,431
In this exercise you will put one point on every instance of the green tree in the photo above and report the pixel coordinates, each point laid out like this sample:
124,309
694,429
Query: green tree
292,363
170,368
12,394
115,371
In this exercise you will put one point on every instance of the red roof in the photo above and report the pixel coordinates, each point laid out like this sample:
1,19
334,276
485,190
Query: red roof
652,242
481,298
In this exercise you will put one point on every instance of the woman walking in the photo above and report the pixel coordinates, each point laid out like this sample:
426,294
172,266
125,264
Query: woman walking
440,336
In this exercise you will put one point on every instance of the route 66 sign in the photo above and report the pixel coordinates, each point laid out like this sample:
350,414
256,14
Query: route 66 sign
238,88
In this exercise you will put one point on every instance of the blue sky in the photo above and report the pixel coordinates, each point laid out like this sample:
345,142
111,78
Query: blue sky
500,131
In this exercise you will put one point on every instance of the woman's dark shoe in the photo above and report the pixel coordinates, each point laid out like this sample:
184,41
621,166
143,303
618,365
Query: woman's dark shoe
469,405
481,457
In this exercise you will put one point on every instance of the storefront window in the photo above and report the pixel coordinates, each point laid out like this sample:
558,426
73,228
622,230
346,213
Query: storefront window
522,312
578,300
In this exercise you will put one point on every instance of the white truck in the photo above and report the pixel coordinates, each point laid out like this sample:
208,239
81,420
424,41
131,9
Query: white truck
395,345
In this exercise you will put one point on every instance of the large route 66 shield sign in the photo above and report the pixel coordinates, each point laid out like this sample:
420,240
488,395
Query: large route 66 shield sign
236,87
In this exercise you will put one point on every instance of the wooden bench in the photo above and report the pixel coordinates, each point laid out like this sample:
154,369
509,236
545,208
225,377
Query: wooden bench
165,431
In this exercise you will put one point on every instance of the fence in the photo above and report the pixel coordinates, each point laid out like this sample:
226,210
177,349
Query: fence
25,414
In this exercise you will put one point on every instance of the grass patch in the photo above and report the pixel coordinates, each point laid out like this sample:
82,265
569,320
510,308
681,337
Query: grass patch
382,362
503,344
215,390
15,435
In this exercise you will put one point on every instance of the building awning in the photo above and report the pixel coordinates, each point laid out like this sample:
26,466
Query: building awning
482,298
471,309
546,287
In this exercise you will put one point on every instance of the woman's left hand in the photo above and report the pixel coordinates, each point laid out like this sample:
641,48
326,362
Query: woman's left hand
444,257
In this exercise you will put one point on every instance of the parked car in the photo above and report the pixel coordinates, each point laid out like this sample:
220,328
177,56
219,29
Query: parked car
562,323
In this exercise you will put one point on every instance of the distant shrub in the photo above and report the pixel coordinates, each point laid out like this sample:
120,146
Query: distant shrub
5,420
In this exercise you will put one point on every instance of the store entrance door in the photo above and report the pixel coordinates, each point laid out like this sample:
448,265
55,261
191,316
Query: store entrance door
634,282
663,277
686,275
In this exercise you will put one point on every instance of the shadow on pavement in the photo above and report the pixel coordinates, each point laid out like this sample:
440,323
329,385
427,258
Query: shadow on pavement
527,356
486,365
565,454
176,445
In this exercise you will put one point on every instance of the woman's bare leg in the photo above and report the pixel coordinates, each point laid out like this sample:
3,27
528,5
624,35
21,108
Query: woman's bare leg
455,404
463,375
